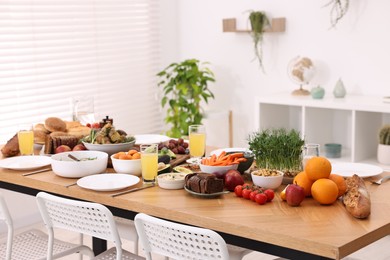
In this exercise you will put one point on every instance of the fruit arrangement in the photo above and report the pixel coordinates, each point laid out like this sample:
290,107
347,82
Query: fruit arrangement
176,146
254,193
315,181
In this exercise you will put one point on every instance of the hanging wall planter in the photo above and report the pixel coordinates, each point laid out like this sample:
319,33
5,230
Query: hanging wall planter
259,22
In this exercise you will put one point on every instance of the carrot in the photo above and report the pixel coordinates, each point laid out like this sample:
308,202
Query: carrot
221,155
236,155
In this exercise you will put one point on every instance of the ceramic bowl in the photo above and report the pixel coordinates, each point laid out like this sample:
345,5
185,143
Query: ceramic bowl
171,181
110,148
333,150
217,169
267,182
132,167
92,162
242,166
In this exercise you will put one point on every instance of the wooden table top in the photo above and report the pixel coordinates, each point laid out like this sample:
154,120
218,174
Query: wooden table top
327,231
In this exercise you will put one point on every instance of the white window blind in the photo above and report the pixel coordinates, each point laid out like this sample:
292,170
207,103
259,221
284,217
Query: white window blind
53,50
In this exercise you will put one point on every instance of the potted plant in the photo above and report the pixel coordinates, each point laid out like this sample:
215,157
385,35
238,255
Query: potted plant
259,22
383,154
185,86
277,149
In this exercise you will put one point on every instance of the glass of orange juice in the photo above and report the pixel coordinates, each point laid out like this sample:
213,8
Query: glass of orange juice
149,162
197,138
26,139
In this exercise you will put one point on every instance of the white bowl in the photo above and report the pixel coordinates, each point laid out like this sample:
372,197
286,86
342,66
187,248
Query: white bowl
268,182
110,148
64,166
171,181
217,169
132,167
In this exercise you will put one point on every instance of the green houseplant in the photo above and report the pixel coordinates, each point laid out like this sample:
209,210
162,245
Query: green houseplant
383,154
259,22
185,86
277,149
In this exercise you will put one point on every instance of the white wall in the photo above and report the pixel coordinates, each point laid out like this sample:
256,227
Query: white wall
356,51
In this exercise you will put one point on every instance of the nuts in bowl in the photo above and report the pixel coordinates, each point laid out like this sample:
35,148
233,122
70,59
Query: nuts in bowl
268,179
127,162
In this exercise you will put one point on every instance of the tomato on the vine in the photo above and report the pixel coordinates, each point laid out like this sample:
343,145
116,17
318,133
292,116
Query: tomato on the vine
270,194
238,190
246,193
261,198
253,194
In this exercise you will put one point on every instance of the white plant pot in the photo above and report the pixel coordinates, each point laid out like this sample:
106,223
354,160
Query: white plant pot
383,154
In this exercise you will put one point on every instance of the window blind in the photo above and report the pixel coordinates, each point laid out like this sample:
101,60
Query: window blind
53,50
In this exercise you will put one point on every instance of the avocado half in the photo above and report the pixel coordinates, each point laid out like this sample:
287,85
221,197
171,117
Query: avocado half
166,169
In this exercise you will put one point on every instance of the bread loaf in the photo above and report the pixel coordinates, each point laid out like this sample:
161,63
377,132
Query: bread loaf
357,199
11,148
54,141
203,183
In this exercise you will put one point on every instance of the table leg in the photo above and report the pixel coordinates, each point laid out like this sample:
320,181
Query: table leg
99,245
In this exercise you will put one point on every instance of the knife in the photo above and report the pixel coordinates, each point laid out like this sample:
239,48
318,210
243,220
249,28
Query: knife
134,189
34,172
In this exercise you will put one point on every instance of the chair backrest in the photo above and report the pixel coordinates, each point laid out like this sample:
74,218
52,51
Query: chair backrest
179,241
79,216
6,217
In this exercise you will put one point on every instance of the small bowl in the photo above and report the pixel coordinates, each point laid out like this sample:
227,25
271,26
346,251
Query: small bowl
268,182
242,166
110,148
217,169
132,167
64,166
171,181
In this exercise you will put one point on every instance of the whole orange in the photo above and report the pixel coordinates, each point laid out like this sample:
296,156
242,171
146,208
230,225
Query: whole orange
302,180
317,168
340,182
325,191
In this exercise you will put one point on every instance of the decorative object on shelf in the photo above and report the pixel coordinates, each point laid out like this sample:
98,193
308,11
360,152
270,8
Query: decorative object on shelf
277,149
333,150
339,89
277,25
301,71
383,153
318,92
259,21
338,10
185,86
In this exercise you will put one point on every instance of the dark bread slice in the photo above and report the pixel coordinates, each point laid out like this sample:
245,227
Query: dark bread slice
195,184
52,142
214,185
205,183
187,180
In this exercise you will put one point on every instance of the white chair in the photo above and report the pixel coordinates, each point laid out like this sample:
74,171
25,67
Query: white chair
88,218
32,244
127,231
178,241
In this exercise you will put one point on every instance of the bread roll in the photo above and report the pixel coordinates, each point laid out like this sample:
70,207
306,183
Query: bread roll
40,127
39,136
72,124
357,199
80,131
54,124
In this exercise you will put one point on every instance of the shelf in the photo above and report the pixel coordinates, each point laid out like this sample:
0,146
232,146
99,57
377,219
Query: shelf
277,25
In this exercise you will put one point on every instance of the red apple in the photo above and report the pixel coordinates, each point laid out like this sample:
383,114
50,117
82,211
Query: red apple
294,195
232,179
79,147
62,148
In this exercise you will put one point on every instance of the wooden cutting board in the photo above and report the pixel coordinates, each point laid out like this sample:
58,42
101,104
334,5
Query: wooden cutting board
180,158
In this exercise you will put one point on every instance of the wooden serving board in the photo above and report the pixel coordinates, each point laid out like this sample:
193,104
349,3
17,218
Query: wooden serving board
180,158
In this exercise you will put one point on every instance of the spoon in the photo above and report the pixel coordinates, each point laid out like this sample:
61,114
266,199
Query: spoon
73,158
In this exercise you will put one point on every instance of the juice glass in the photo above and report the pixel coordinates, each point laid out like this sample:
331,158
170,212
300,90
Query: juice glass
197,138
26,140
149,162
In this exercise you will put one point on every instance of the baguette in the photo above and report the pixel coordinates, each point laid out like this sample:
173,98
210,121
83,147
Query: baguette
357,199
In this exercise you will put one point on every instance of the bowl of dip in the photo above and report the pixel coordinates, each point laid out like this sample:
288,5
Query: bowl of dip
171,181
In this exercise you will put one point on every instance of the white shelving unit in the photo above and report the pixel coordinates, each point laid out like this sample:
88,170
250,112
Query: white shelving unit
353,121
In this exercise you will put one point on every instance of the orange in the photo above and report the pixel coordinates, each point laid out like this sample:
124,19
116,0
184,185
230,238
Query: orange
325,191
340,182
317,168
302,180
136,155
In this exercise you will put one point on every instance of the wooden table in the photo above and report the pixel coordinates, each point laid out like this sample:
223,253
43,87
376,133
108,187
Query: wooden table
310,231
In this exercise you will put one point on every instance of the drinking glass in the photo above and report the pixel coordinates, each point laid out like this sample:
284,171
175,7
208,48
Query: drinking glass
149,162
197,138
83,109
26,139
309,151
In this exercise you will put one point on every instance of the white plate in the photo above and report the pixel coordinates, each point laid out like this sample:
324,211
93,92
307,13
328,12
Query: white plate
25,162
150,139
218,151
107,181
361,169
204,195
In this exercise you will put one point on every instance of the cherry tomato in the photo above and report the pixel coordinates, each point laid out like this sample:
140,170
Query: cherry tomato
246,186
246,193
270,194
96,125
238,190
88,125
261,198
253,194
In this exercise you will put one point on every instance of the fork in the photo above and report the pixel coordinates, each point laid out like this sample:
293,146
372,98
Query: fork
379,182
